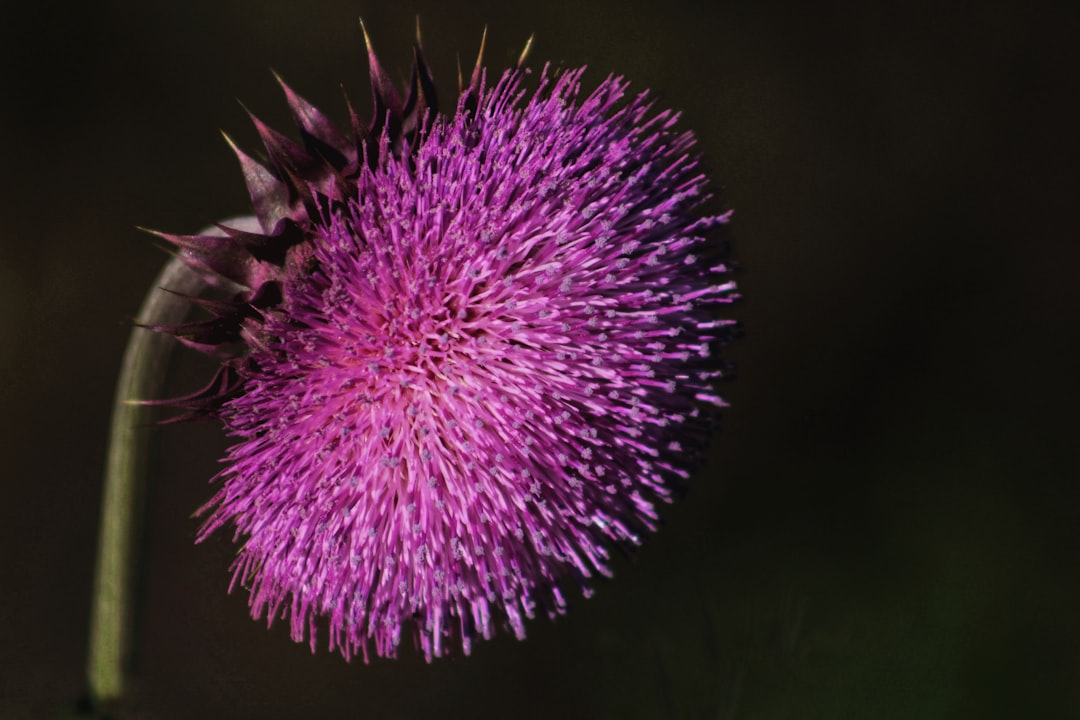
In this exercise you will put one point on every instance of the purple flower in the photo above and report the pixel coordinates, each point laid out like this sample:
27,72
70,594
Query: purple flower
464,359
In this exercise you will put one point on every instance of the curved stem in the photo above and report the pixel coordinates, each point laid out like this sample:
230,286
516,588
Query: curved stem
141,376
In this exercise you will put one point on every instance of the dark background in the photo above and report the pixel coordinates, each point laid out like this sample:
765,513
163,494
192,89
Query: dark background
887,525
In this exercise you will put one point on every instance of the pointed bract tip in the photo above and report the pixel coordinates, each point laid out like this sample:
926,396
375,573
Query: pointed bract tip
245,159
418,42
483,43
526,50
259,124
367,38
474,81
246,109
228,139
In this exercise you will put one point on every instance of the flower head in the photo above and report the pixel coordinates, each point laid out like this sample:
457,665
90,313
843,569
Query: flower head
465,358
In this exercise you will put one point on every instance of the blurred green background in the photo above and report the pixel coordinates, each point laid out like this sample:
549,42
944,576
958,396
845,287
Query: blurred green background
887,525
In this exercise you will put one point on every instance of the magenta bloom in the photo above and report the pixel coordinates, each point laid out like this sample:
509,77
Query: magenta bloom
467,357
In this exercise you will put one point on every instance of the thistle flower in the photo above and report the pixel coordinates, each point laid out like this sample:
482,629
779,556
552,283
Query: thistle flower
465,357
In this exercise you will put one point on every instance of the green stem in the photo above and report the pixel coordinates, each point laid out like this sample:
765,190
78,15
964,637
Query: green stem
141,376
